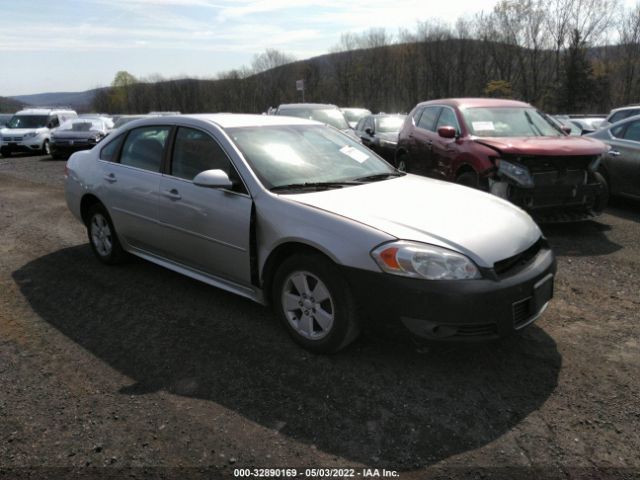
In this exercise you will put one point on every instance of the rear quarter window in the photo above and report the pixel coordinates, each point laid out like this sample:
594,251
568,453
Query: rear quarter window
110,151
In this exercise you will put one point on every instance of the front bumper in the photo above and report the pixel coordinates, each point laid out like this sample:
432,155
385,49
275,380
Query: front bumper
68,147
481,309
33,144
556,196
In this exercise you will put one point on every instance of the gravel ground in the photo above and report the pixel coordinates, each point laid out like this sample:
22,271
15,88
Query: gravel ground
138,372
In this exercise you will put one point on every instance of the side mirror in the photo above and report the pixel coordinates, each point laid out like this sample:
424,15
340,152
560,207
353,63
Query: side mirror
566,130
447,132
213,179
369,131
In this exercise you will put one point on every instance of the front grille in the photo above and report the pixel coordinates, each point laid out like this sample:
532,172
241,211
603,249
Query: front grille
478,330
559,164
521,259
12,139
521,312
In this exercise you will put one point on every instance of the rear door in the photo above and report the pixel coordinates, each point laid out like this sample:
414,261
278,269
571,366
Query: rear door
623,160
206,229
130,183
424,136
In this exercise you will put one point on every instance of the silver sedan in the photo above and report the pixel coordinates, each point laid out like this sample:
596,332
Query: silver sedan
620,166
293,213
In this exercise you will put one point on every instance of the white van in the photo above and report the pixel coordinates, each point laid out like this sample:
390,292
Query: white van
30,130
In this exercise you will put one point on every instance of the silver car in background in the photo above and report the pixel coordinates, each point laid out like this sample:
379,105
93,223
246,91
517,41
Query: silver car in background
620,166
293,213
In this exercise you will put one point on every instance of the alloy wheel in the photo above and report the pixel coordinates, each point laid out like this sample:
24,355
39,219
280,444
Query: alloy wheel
308,305
101,235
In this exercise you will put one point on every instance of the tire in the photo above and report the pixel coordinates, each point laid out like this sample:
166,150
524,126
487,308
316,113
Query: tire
402,162
5,152
315,303
602,200
46,148
103,237
468,179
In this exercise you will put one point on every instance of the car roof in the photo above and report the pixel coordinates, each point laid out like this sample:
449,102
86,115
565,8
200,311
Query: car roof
43,111
233,120
306,105
628,107
463,103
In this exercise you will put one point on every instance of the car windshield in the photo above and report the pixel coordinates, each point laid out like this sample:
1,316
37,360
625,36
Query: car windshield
28,121
304,154
389,124
82,125
330,116
508,122
355,114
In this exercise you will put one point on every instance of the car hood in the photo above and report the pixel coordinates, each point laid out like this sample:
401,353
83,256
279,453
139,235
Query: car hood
18,131
547,146
483,227
72,134
388,136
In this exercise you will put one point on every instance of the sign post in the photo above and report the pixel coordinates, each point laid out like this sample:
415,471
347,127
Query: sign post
300,88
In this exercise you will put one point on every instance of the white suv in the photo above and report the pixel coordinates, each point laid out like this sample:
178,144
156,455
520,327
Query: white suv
30,130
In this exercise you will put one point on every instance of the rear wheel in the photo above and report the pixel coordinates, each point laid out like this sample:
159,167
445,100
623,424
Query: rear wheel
315,303
102,236
5,152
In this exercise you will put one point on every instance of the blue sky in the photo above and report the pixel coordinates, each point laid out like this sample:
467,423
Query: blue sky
73,45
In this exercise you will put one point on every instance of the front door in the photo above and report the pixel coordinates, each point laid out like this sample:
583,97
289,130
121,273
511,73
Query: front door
206,229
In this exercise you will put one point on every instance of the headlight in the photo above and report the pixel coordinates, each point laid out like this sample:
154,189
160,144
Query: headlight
419,260
30,135
515,172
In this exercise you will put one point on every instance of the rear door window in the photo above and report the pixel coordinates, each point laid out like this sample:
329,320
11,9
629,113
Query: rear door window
428,118
110,151
144,148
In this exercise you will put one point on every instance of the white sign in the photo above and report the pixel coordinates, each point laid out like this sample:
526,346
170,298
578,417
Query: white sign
300,85
354,153
483,126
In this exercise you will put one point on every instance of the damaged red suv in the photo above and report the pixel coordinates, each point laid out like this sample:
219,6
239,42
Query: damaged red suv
507,148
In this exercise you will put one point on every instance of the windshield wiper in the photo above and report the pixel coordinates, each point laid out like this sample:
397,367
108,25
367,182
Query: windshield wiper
319,185
379,176
535,127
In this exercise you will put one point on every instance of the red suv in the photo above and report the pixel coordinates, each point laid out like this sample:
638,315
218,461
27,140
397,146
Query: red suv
507,148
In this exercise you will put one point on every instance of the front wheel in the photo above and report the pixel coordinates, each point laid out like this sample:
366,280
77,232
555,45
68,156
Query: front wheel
468,179
402,162
46,148
602,200
5,152
102,236
315,303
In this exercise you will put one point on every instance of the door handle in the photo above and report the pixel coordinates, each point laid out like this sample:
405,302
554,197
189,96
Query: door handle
173,194
110,178
614,153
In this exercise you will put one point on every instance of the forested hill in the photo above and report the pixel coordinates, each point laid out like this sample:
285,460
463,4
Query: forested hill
8,105
393,78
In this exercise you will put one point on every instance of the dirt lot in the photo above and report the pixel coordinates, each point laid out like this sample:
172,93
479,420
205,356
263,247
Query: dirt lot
151,374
